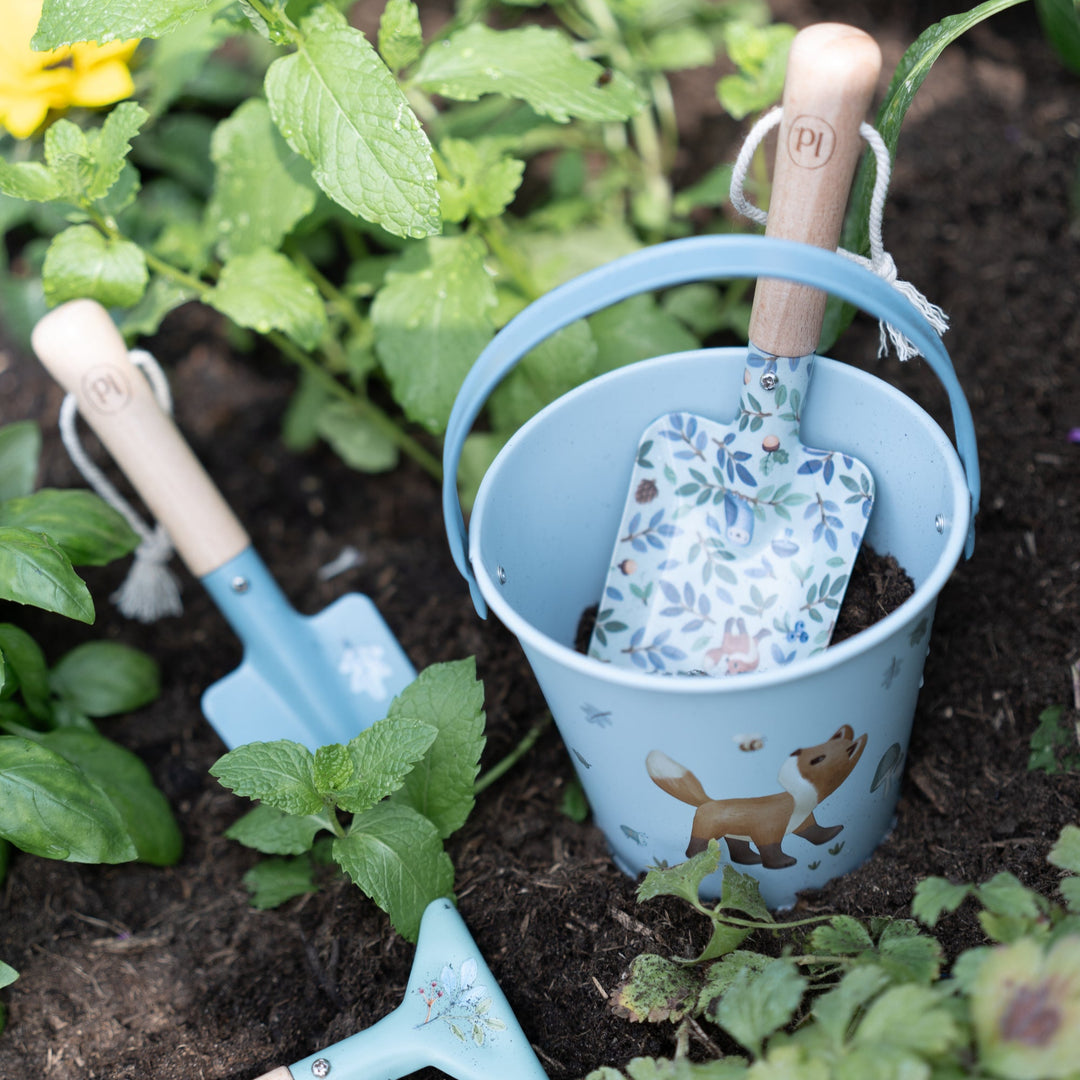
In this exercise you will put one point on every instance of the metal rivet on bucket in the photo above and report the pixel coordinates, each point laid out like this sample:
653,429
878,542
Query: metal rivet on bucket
939,523
501,574
768,380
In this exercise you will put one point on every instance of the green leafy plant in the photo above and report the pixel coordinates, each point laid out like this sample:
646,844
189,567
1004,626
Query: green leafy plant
388,798
66,791
840,997
359,202
1054,743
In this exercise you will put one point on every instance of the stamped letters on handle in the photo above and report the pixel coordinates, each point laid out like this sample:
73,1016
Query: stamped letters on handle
106,389
810,142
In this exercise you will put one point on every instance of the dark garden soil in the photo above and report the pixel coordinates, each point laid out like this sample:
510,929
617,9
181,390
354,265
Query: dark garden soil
131,971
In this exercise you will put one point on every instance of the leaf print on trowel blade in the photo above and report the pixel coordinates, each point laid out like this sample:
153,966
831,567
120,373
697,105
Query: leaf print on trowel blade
737,541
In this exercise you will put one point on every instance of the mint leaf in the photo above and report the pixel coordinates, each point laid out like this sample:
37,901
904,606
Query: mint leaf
127,783
273,832
400,35
333,769
28,180
265,291
65,22
396,856
449,698
261,187
83,526
637,329
20,450
432,319
33,570
81,262
108,147
355,438
105,678
534,64
273,881
51,808
760,1003
381,756
338,106
483,179
280,774
25,662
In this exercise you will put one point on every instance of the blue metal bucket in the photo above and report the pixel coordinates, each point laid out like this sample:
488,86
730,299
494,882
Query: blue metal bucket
795,770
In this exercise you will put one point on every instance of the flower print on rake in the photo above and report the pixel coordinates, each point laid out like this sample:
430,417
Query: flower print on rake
736,542
455,999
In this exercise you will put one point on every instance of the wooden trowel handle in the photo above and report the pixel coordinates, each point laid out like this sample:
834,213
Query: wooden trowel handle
82,349
281,1073
832,72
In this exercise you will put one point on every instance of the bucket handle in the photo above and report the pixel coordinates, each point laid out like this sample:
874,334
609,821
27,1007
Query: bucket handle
675,263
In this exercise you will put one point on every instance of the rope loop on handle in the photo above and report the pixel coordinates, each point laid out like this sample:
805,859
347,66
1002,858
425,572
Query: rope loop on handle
150,590
880,261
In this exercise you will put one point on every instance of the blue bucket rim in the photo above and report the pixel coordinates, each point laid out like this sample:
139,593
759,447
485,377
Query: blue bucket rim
835,655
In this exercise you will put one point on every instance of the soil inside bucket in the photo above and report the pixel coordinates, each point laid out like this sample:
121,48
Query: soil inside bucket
878,586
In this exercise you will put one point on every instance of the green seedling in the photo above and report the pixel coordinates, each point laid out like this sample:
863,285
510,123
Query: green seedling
1054,742
388,798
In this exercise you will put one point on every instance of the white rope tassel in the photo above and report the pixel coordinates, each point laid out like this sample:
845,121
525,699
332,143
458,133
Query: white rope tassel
150,590
880,261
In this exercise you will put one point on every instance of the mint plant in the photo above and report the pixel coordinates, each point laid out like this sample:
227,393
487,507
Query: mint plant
357,201
66,791
836,996
388,798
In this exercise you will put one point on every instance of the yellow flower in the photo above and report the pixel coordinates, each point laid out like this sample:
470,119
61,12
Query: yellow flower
32,83
1026,1010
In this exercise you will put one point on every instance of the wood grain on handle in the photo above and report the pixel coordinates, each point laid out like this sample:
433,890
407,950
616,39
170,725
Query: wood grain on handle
277,1074
82,349
831,76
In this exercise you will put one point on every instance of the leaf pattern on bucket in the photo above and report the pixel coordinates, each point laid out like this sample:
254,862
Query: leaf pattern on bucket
736,542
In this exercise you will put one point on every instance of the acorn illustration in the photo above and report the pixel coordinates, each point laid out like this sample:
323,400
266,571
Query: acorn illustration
770,443
628,566
646,491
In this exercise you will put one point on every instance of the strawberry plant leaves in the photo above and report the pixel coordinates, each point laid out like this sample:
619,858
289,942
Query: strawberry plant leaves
84,527
432,319
273,881
657,989
835,1010
909,1017
261,187
1065,854
683,880
758,1003
20,450
338,106
440,786
280,774
396,856
264,291
740,892
34,570
105,678
128,785
80,262
534,64
50,807
721,974
906,955
842,935
273,832
65,22
934,896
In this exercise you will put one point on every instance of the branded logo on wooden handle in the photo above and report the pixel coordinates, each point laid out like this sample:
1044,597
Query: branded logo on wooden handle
810,142
105,388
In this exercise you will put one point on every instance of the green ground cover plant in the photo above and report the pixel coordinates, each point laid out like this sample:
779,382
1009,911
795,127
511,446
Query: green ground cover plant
67,791
838,997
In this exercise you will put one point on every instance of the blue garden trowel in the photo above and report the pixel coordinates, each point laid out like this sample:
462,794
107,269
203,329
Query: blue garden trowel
315,680
454,1017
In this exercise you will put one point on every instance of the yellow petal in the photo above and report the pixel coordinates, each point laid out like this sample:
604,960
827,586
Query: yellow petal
88,54
23,116
102,84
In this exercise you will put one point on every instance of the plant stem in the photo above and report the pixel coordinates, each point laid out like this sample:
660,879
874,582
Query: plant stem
500,768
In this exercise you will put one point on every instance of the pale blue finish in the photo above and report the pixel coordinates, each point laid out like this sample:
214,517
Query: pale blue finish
470,1032
295,680
674,263
540,546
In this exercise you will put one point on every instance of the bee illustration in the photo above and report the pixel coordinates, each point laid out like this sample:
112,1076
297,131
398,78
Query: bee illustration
596,716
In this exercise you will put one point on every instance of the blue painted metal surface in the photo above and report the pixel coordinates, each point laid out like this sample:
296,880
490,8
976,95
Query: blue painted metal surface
313,679
454,1017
